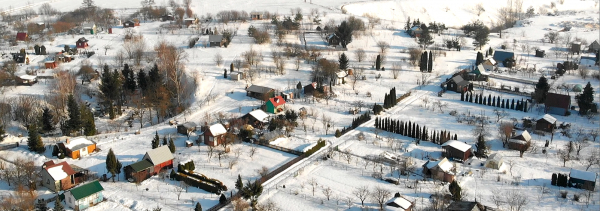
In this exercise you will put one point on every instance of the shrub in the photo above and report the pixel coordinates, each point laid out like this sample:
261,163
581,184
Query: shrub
338,133
320,144
377,109
563,194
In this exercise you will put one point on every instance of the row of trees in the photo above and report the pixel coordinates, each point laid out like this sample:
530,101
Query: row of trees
496,101
413,130
426,63
389,100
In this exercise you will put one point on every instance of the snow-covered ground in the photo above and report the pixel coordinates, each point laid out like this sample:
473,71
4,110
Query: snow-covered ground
533,170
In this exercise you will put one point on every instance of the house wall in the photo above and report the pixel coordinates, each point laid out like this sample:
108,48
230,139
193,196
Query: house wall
89,201
450,152
49,182
161,166
544,126
556,111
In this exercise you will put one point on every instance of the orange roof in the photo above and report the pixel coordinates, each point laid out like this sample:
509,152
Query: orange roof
277,101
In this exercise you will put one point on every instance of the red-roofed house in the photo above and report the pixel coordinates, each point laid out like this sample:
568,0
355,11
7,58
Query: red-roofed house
61,176
22,36
275,104
557,104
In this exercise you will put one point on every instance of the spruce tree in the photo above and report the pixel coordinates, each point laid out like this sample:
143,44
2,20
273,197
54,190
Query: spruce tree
118,169
88,122
224,73
425,39
74,122
479,58
198,207
111,163
378,62
343,60
585,100
142,81
34,142
455,190
58,205
47,123
164,142
238,183
155,141
430,63
171,145
541,90
481,147
344,32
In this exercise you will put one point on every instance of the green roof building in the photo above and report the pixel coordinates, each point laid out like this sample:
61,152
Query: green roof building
84,196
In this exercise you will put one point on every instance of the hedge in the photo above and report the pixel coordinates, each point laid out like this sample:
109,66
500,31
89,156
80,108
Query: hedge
320,144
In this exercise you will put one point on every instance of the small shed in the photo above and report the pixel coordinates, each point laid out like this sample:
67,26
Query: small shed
415,31
257,118
189,144
89,28
456,150
494,161
275,104
22,36
186,128
557,104
214,135
439,170
502,56
260,92
458,84
50,64
128,24
167,18
546,123
466,206
257,15
310,88
27,80
540,53
398,204
575,48
138,171
216,40
333,39
236,76
82,43
84,196
582,179
190,21
595,46
520,142
489,64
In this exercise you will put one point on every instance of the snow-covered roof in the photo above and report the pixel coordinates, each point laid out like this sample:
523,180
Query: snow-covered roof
28,77
398,203
457,145
57,172
341,74
548,118
495,157
78,143
217,129
526,135
492,61
444,164
259,115
584,175
159,155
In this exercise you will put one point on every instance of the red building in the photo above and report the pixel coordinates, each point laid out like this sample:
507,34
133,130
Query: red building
153,162
82,43
22,36
456,150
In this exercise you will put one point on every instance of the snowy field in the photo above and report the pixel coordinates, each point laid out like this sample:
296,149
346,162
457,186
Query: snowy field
531,173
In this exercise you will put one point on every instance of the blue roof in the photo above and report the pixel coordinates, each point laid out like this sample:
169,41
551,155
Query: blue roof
500,56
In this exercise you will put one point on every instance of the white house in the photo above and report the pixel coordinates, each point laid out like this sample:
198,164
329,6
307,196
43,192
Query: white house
84,196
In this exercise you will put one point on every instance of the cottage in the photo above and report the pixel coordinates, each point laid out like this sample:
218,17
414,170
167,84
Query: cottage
456,150
22,36
50,62
26,80
260,92
236,76
398,204
489,64
557,104
128,24
214,135
20,58
190,21
78,147
340,77
478,74
595,46
84,196
216,40
161,158
468,206
60,176
415,31
257,118
458,84
167,18
82,43
138,171
186,128
546,123
333,39
506,58
494,161
520,142
575,48
310,88
275,104
89,28
582,179
439,170
257,15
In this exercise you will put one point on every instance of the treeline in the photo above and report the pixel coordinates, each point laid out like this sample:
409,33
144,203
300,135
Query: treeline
355,123
413,130
496,101
560,180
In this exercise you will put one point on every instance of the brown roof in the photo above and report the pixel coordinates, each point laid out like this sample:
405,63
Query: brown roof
558,100
65,166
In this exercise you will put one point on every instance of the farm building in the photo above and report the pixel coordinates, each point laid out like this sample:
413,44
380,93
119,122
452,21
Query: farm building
78,147
546,123
458,84
540,53
415,31
257,118
84,196
494,161
257,15
27,80
236,76
82,43
213,135
216,40
138,171
130,23
333,39
260,92
489,64
456,150
582,179
310,88
275,104
89,28
595,46
520,142
439,170
153,162
575,48
557,104
398,204
186,128
61,176
22,36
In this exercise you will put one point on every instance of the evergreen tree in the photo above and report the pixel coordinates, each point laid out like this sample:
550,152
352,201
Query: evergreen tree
481,147
425,39
489,100
47,123
541,90
455,190
231,68
512,105
423,63
494,101
34,142
462,96
87,121
408,25
299,85
378,62
171,145
74,122
343,60
252,191
111,163
155,141
118,168
585,100
481,36
165,142
224,73
479,58
524,106
131,85
58,206
198,207
470,97
430,63
238,183
344,33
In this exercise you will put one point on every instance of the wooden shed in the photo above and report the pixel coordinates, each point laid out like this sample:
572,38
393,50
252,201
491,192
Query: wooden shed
546,123
582,179
456,150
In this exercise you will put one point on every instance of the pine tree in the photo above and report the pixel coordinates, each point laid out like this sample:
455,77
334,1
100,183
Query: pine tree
344,32
111,163
155,141
425,39
34,142
479,58
455,190
430,63
74,122
378,62
58,206
541,90
142,80
343,60
481,147
171,145
47,123
198,207
88,122
131,85
585,100
238,183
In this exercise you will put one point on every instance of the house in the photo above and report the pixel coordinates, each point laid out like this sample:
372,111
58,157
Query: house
20,58
275,104
456,150
468,206
582,179
89,28
186,128
167,18
340,77
82,43
546,123
415,31
50,62
161,158
575,48
557,104
439,170
506,58
22,36
138,171
190,21
257,15
257,118
213,135
540,53
260,92
78,147
520,142
310,88
216,40
61,176
494,161
333,39
236,76
478,74
27,80
489,64
398,204
458,84
595,46
128,24
84,196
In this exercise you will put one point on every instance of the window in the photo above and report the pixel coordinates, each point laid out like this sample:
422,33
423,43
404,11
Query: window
47,181
83,149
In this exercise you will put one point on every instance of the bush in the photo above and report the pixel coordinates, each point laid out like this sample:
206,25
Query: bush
320,144
377,109
338,133
575,197
563,194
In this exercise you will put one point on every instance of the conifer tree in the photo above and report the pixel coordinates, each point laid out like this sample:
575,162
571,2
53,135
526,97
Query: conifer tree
111,163
430,63
479,58
462,96
142,81
155,141
378,62
171,145
164,142
585,100
88,122
343,60
481,147
58,205
455,190
423,63
224,73
198,207
470,97
34,142
541,90
489,99
118,168
238,183
74,122
47,123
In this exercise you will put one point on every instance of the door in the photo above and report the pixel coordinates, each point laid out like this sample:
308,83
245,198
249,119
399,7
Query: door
83,152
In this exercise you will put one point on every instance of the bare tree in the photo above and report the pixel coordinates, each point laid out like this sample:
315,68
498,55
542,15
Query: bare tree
396,68
362,193
349,201
347,155
552,36
479,9
327,192
380,196
178,190
357,74
252,151
313,183
218,59
516,200
232,163
505,131
593,159
500,114
594,134
564,155
326,121
383,46
263,171
497,197
360,54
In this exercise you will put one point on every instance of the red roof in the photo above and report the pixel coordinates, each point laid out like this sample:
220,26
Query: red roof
65,166
277,101
21,36
558,100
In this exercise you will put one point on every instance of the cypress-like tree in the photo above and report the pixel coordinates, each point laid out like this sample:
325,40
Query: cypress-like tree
74,122
430,63
494,101
524,106
455,190
231,68
401,130
343,60
118,169
378,62
43,50
512,105
462,96
238,183
222,199
198,207
554,178
34,141
164,142
171,145
479,58
224,73
111,163
489,99
541,90
47,123
476,98
585,100
423,63
470,97
155,141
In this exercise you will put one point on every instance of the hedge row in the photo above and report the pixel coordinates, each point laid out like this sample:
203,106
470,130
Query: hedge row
561,180
496,101
413,130
320,144
355,123
180,176
201,177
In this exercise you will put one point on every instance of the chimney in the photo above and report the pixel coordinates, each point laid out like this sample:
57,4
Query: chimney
513,133
68,141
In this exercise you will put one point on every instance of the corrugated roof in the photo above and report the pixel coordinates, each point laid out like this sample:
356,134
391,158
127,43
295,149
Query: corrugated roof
159,155
86,190
457,145
215,38
500,56
584,175
141,165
